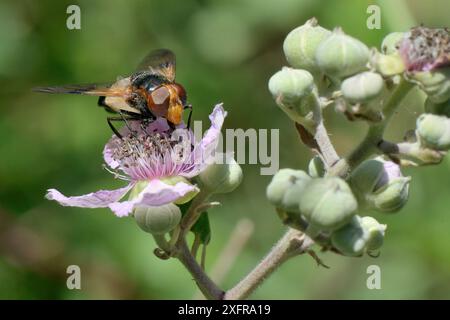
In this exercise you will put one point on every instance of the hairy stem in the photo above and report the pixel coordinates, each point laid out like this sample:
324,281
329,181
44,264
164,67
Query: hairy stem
327,150
209,289
289,245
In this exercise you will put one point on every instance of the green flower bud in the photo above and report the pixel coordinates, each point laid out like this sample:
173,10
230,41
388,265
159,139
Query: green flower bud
390,43
286,187
393,196
301,44
221,177
436,84
373,174
291,198
387,65
293,90
442,109
375,232
351,239
358,236
316,167
340,55
158,220
362,87
327,203
379,184
433,131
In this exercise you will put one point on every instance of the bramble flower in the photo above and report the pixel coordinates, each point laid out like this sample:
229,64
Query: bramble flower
157,162
425,49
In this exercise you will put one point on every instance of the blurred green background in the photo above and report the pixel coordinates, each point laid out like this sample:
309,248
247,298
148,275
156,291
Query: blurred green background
226,52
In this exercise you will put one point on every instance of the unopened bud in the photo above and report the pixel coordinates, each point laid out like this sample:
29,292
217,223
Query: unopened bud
379,184
340,55
221,177
387,65
292,90
286,187
434,131
436,84
158,220
301,44
362,87
391,42
360,235
327,203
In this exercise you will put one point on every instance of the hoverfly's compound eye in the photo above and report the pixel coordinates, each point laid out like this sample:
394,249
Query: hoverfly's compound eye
159,100
181,92
160,96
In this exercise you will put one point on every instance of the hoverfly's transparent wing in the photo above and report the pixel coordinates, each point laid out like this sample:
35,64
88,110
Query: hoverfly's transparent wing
160,61
113,96
108,90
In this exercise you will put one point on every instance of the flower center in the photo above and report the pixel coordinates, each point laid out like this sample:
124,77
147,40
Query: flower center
134,147
144,156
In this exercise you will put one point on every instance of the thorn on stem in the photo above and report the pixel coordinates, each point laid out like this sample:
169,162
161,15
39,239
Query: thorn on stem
317,259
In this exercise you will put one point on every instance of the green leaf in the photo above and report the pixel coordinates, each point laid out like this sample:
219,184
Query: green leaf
184,207
202,228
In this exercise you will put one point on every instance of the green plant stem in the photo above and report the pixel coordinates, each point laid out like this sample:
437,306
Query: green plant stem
374,136
209,289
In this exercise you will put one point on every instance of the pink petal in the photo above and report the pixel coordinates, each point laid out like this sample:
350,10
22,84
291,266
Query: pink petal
108,153
157,193
99,199
204,151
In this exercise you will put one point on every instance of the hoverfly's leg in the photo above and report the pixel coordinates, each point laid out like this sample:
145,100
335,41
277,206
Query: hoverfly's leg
116,132
144,125
189,106
133,132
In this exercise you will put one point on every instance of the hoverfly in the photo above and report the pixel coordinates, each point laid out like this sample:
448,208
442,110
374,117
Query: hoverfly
150,92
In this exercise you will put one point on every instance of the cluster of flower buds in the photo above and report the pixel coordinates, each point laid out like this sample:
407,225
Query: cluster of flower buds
328,206
358,82
317,54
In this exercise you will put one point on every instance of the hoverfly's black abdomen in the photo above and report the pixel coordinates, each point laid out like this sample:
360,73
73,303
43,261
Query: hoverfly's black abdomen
146,80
